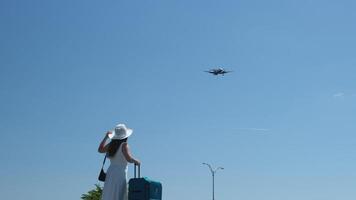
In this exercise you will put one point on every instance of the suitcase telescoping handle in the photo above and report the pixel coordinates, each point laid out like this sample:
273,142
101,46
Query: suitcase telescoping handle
139,171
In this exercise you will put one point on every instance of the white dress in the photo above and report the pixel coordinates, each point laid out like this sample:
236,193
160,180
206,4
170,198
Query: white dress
115,186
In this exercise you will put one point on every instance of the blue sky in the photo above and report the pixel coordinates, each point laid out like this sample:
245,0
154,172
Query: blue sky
282,124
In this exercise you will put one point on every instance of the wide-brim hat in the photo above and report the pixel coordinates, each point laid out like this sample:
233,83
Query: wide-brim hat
120,132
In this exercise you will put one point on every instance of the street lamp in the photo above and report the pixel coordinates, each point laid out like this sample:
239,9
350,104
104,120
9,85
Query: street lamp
213,175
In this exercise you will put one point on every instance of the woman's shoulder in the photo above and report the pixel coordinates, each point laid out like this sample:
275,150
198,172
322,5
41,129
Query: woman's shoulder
124,145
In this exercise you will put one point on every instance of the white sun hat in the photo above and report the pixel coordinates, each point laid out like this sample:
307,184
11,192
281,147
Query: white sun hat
120,132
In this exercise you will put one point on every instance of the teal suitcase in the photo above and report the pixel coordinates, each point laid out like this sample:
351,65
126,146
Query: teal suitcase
144,188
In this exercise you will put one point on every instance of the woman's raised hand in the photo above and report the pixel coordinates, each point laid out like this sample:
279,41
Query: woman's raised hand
108,133
101,148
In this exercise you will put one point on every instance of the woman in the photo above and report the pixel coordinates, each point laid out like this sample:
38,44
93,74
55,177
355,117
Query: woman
115,186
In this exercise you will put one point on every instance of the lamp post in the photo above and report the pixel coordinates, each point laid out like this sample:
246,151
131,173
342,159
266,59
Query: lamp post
213,175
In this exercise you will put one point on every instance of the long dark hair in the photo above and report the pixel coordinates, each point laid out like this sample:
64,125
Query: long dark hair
114,146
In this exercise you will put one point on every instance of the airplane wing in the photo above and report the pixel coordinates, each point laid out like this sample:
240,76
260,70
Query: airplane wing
228,72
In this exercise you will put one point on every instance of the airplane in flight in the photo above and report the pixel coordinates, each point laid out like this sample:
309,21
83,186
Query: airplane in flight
218,71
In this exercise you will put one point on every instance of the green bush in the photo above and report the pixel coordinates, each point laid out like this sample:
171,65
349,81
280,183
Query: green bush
94,194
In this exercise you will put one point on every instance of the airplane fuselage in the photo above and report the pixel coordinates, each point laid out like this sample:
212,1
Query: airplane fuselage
216,72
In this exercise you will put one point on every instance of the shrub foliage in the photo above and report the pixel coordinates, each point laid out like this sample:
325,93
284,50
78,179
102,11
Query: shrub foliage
94,194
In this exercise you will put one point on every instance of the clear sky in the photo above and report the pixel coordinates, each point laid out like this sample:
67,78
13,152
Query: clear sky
282,124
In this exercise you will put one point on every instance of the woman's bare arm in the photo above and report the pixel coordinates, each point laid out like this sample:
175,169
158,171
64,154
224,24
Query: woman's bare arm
102,148
127,154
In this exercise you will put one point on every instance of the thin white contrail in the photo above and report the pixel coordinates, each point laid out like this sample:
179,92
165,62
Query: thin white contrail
339,95
253,129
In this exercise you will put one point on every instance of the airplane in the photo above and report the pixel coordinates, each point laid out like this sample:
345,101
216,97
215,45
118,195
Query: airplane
218,71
